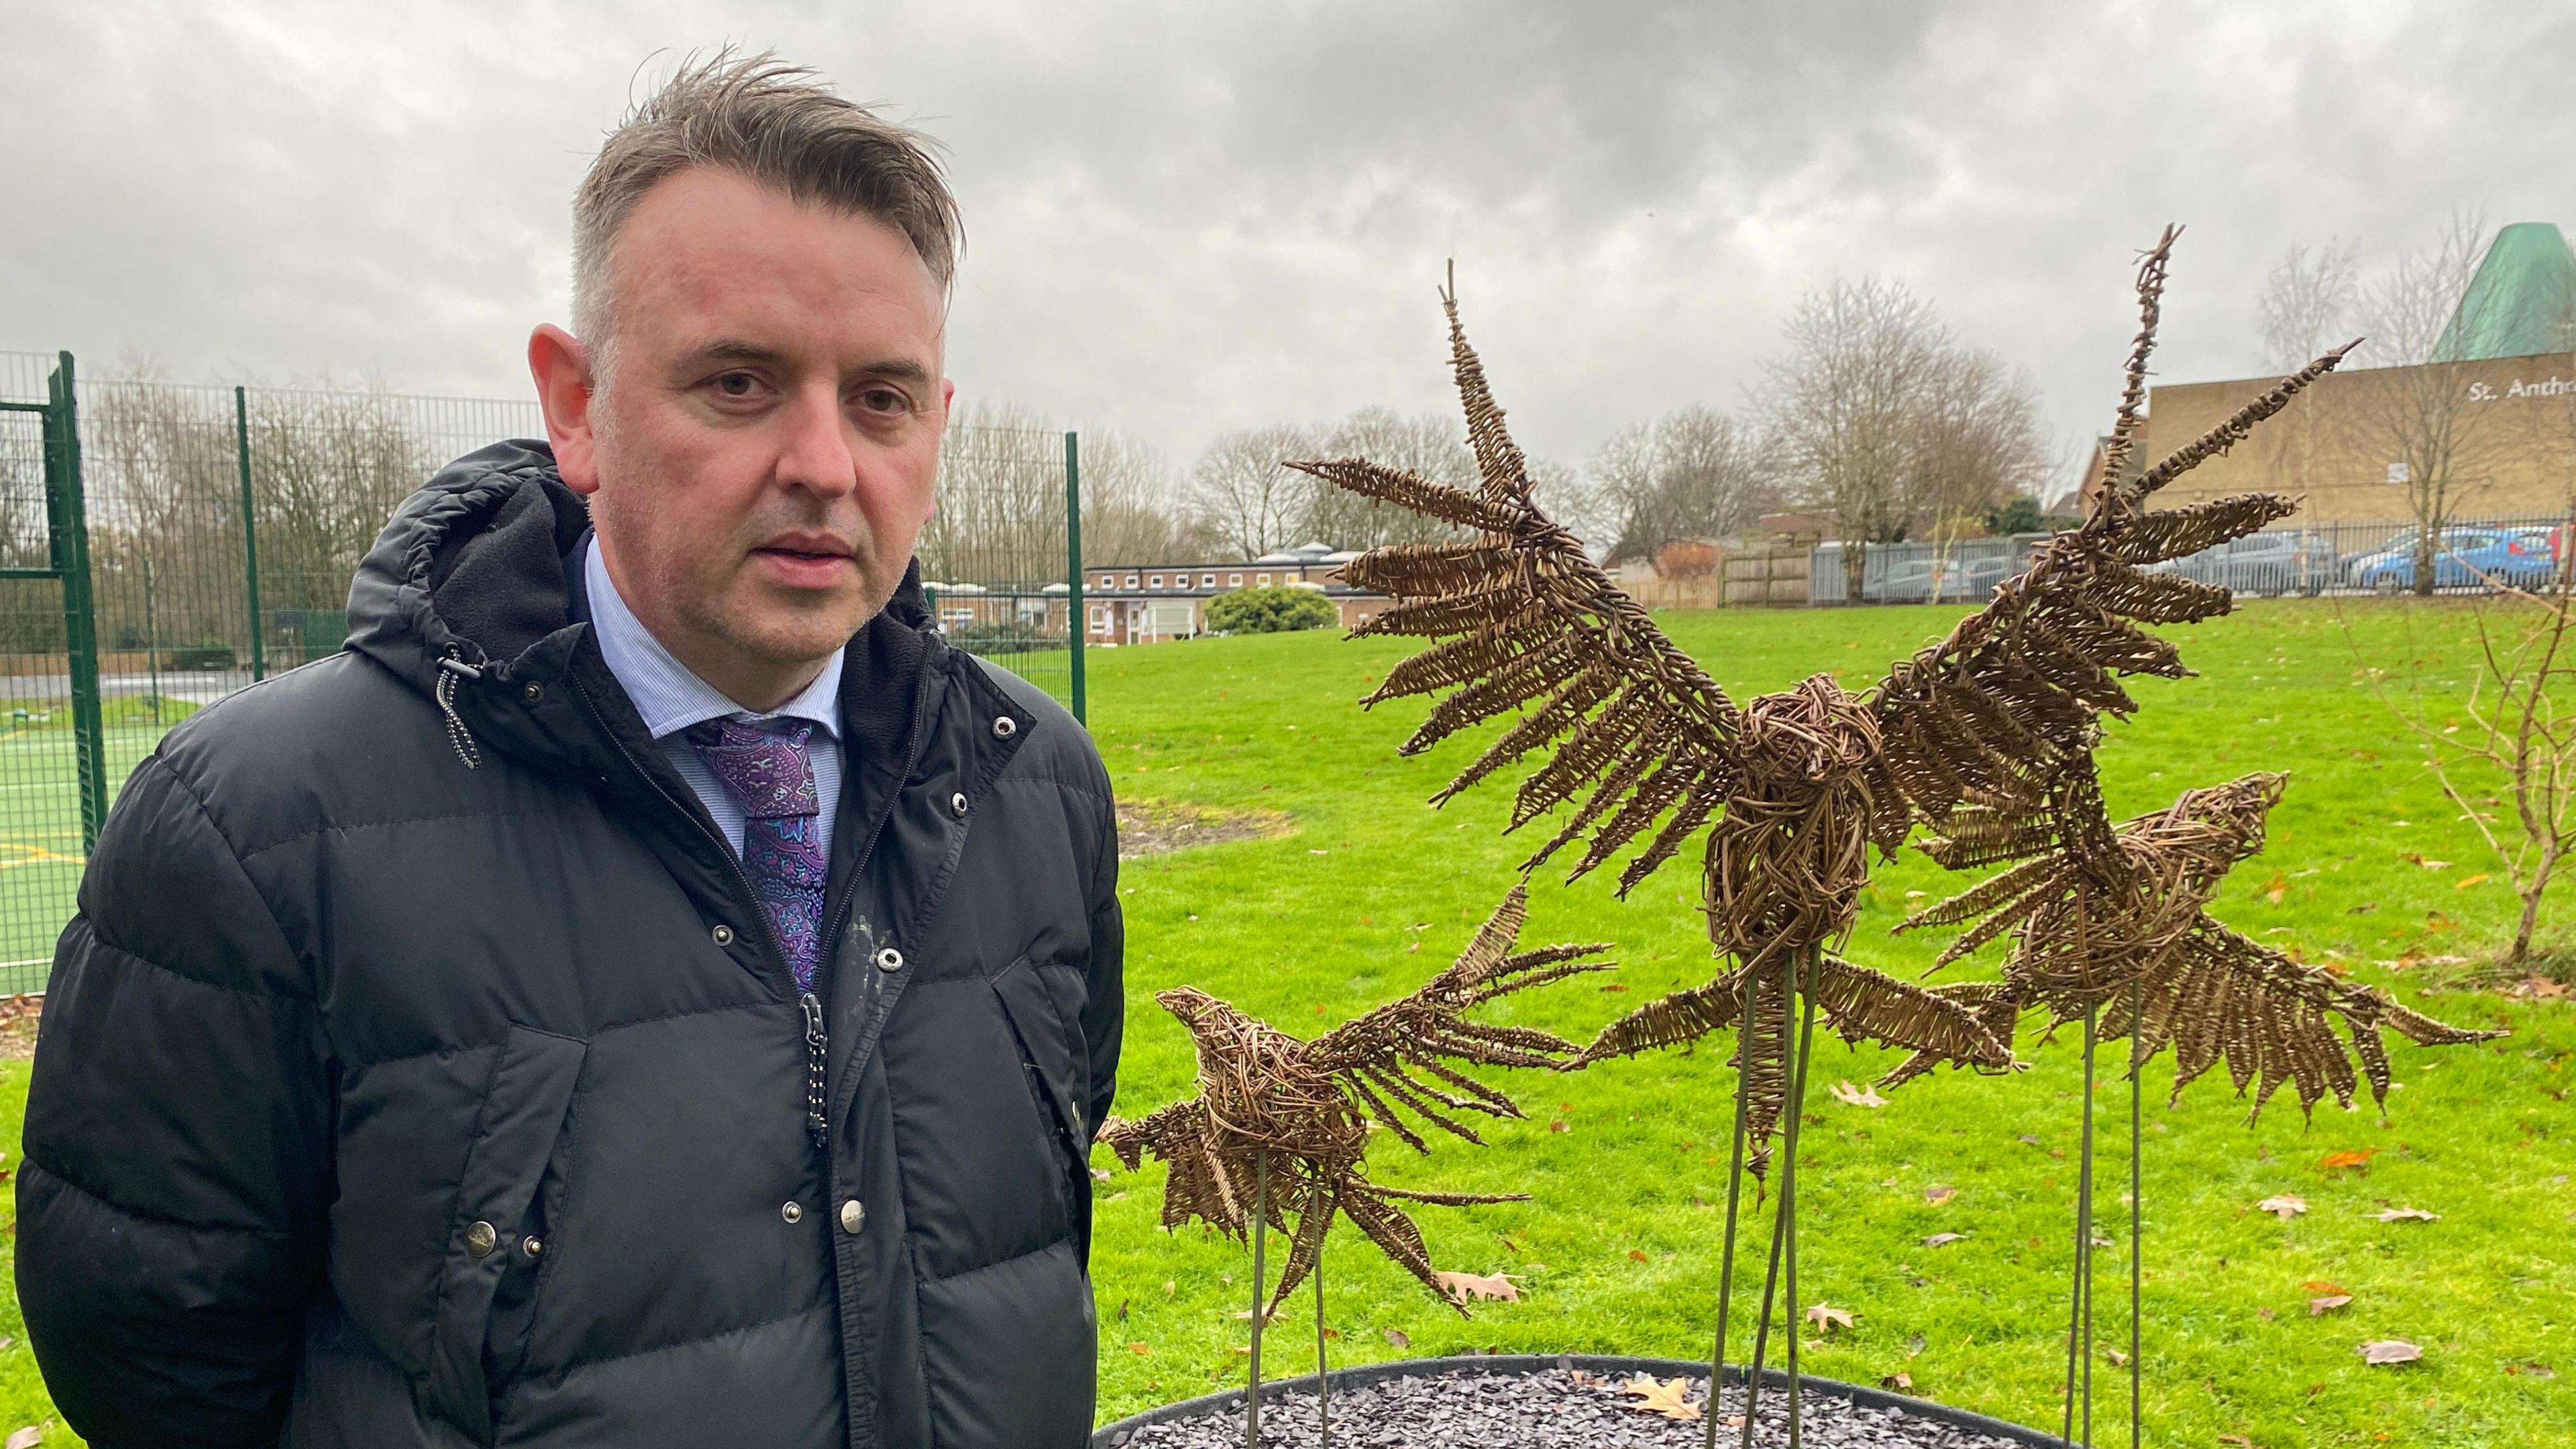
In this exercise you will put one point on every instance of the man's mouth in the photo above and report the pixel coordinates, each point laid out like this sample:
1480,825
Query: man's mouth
807,559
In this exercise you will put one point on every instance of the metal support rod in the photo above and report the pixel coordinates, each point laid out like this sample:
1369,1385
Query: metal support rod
1784,1229
1260,1226
1762,1329
1734,1197
250,534
1077,620
2079,1323
2137,1203
1323,1363
1789,1170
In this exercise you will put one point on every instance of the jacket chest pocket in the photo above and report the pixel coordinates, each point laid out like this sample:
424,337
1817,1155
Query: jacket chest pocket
495,1251
1058,1072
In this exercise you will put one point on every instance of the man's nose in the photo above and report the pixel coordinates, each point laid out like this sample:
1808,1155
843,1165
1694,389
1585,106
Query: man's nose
815,454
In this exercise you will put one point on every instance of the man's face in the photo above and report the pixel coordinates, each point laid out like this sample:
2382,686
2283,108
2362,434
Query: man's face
761,456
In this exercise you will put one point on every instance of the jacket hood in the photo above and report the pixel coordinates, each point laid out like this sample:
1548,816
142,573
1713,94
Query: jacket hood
471,569
465,597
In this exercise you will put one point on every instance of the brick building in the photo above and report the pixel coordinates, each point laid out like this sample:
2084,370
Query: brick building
1150,603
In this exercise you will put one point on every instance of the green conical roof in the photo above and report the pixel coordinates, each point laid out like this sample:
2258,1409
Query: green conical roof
2521,302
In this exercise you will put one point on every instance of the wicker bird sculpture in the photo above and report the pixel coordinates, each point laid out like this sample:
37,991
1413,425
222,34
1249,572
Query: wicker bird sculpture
2113,921
1995,722
1280,1128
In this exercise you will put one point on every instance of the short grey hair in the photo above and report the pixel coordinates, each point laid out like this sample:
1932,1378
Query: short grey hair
779,125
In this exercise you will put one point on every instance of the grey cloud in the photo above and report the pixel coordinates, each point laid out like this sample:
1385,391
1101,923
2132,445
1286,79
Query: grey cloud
1189,217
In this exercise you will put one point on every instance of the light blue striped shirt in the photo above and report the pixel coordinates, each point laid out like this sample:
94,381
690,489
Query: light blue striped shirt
671,698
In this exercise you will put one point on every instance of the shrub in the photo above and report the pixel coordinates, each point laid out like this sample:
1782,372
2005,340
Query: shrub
1271,611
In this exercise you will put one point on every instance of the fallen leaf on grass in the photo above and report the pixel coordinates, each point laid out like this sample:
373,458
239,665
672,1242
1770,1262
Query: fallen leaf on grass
27,1438
2237,1439
1828,1317
1494,1286
1938,1195
1914,1346
2320,1307
2284,1206
2466,881
1668,1397
1899,1380
2277,889
2427,864
2409,1215
1849,1095
2389,1350
1637,1253
2323,1286
1140,1349
1943,1240
2532,1370
2334,1161
1399,1338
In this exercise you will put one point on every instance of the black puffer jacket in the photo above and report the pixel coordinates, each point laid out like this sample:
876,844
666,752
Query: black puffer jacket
383,1101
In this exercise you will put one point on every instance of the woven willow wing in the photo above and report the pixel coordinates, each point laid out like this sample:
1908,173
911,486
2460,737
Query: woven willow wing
1523,620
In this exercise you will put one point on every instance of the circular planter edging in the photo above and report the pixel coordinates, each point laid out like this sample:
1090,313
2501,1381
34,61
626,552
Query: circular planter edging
1115,1436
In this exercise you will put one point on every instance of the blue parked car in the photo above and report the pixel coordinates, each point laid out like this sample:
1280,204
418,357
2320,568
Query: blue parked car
2525,556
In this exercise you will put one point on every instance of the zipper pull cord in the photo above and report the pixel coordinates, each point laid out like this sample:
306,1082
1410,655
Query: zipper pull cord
449,669
817,1047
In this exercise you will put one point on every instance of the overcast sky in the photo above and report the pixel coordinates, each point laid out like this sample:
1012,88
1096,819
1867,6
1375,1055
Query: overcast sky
1188,217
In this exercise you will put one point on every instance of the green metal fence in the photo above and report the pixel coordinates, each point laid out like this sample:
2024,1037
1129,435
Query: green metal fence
1002,558
162,545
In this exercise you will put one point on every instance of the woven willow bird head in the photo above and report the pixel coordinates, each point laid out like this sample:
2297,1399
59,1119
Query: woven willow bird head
1296,1116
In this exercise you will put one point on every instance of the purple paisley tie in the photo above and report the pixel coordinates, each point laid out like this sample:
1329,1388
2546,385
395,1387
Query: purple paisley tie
765,769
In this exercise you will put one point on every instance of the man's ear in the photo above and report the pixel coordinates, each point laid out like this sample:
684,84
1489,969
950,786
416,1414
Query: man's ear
561,366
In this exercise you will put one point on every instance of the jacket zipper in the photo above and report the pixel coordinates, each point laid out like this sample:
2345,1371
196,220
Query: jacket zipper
818,1042
818,1038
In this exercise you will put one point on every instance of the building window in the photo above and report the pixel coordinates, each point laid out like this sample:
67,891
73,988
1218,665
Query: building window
1207,581
1109,581
1131,581
1265,580
1154,582
1234,581
1099,620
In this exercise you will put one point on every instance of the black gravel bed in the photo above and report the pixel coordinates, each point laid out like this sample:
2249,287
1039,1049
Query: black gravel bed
1556,1407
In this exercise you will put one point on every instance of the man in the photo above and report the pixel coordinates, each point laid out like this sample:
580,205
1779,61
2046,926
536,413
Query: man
649,990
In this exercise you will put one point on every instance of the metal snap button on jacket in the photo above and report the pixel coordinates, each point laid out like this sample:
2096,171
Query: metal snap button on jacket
794,1212
534,691
530,1247
854,1216
889,959
957,802
723,935
1004,727
481,1238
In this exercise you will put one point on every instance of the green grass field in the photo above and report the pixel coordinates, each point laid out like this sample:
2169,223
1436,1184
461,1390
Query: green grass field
1371,892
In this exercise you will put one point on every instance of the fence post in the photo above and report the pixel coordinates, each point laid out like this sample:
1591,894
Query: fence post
1077,624
250,535
70,529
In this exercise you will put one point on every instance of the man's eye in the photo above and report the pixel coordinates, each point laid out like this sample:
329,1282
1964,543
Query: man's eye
884,400
736,384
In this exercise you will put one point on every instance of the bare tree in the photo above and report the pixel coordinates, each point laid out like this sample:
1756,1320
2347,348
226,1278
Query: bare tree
1692,474
1430,445
2514,727
2420,415
1000,518
1876,416
1132,508
1246,491
1977,441
2307,303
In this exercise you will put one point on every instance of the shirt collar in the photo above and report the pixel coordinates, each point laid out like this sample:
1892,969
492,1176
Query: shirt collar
667,694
